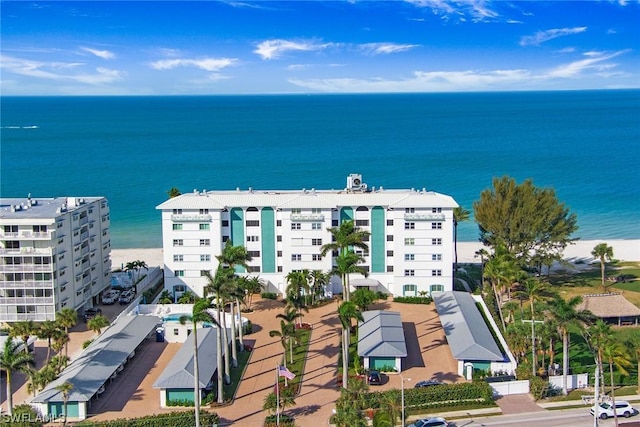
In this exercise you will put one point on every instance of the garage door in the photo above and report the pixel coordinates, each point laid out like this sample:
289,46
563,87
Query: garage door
382,363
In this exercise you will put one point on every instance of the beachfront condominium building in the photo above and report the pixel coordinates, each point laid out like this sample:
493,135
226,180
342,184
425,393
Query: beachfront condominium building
54,254
410,243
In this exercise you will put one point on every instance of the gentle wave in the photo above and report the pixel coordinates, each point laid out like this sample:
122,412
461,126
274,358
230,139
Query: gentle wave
20,127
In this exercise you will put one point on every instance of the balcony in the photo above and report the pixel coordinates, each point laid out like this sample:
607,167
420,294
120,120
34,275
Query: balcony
37,235
21,284
26,300
191,217
424,217
28,251
25,268
307,217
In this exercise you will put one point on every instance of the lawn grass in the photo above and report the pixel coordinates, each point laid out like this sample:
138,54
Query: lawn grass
299,358
236,375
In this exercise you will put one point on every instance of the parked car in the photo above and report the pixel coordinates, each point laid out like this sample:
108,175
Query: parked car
428,383
110,297
623,409
374,378
430,422
91,312
126,297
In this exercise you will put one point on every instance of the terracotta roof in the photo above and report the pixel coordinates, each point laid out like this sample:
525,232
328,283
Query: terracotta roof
609,305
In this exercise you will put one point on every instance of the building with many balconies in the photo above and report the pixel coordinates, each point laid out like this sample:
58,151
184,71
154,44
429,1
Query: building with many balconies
410,245
54,254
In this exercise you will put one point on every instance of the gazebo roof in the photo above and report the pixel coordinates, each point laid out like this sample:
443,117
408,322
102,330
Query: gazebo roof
609,305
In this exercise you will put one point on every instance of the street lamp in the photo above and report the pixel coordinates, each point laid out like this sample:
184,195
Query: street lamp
402,395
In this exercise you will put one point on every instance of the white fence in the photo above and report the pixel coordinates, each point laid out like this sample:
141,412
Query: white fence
573,381
510,387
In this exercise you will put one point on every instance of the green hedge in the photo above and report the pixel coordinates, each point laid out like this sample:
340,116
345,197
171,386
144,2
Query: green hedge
269,295
413,300
172,419
440,396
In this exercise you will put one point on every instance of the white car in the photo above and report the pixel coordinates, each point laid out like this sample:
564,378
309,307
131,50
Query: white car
110,297
430,422
623,409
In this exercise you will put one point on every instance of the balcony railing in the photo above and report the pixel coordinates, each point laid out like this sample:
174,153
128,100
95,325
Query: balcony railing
46,284
28,251
191,217
307,217
46,235
424,217
25,268
26,300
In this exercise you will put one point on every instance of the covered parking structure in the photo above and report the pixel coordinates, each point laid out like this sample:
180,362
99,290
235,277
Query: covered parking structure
470,337
103,359
178,379
381,341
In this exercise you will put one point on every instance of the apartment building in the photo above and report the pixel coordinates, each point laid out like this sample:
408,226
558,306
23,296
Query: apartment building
410,246
54,254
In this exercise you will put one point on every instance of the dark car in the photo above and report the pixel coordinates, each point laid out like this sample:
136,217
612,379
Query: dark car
428,383
90,313
374,378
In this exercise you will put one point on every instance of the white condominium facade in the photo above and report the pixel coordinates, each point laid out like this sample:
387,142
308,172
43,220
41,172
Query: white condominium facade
54,254
410,246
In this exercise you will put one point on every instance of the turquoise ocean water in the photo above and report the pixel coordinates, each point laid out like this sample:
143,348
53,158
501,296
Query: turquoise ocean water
585,144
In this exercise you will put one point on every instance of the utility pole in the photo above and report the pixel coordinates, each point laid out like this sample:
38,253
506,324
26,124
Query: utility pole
596,397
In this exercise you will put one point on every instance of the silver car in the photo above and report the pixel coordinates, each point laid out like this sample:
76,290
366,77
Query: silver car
430,422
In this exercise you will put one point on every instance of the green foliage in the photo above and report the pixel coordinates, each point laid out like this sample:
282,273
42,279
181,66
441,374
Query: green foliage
269,295
285,421
363,298
180,402
150,294
171,419
413,300
23,416
382,419
538,387
86,344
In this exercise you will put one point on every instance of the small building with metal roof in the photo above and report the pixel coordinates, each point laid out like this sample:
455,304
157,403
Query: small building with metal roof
91,371
381,340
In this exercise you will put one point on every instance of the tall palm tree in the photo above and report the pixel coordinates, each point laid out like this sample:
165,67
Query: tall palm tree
604,253
251,285
319,279
598,335
460,214
290,315
298,289
220,285
234,256
286,335
13,361
347,311
67,318
566,315
23,330
47,330
344,238
200,314
65,388
534,290
615,354
97,323
634,347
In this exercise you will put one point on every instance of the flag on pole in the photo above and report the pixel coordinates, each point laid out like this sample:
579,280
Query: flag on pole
284,372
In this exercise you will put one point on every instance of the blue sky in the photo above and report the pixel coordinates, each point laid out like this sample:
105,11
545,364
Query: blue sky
266,47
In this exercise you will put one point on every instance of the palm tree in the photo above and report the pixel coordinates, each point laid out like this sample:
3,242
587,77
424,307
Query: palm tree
187,297
290,315
460,214
566,315
615,354
98,323
251,285
298,289
173,192
13,361
634,346
534,290
286,334
23,330
502,271
319,279
604,253
65,388
47,330
67,318
233,256
219,285
598,335
346,312
200,314
344,238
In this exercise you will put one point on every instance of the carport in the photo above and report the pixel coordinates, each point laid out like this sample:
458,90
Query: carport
93,368
381,340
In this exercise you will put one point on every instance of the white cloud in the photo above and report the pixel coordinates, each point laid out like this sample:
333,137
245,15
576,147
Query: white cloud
207,64
477,10
593,61
543,36
566,50
514,21
58,71
104,54
385,48
297,67
273,49
611,31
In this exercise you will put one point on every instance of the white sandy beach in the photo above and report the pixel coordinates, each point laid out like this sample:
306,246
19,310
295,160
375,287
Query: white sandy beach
623,250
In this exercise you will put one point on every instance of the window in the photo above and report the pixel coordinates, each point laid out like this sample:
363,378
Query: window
315,210
253,254
389,222
389,237
316,226
389,268
178,258
253,238
362,222
436,288
279,269
436,226
278,238
409,241
178,242
177,227
436,210
409,257
41,228
295,226
204,211
436,272
409,225
204,227
409,210
225,222
254,269
225,238
316,257
203,273
177,211
334,223
253,223
279,254
437,241
389,253
436,257
205,242
279,223
179,273
205,258
296,211
316,242
60,225
410,290
175,331
296,257
409,272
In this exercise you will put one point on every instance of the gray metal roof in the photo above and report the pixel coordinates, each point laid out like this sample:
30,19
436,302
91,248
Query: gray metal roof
101,359
179,372
381,335
467,333
41,208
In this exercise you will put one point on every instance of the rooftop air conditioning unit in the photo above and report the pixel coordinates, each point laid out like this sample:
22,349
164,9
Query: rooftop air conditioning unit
354,182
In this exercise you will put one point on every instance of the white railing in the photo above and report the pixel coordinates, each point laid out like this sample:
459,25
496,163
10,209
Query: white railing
307,217
191,217
28,251
27,284
423,217
26,268
26,300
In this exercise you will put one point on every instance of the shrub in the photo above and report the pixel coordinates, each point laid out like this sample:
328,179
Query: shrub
413,300
180,402
538,387
23,416
172,419
248,328
285,421
86,344
269,295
